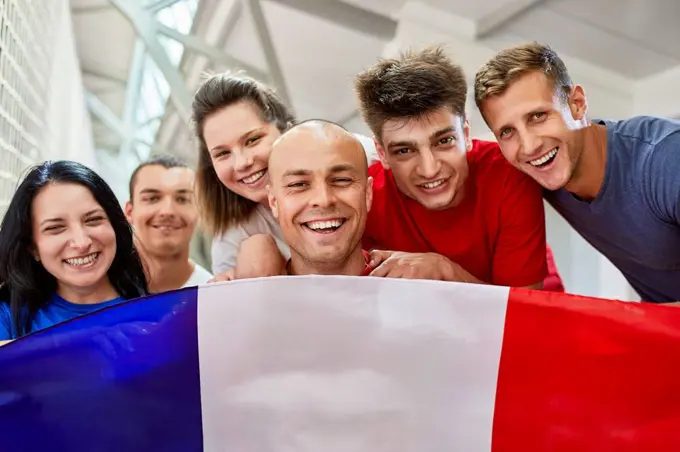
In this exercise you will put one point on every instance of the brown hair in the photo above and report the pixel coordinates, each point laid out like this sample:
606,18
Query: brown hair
220,207
494,77
166,161
410,86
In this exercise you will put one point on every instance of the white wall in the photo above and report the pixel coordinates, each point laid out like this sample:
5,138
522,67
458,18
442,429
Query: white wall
70,131
583,269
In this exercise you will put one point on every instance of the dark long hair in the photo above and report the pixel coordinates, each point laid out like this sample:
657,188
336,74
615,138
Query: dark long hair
25,283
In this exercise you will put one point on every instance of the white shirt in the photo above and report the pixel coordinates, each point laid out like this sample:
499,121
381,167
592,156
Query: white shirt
199,276
225,247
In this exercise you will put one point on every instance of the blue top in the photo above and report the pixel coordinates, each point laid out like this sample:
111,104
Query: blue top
55,311
635,218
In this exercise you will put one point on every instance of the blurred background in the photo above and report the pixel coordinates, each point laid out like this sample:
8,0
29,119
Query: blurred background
109,83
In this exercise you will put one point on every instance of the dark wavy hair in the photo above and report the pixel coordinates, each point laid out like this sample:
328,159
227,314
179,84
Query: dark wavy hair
24,282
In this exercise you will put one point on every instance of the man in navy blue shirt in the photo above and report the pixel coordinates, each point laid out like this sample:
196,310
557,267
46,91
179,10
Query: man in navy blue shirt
616,183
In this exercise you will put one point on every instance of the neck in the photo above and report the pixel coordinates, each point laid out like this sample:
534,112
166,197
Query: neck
353,265
168,272
588,176
99,293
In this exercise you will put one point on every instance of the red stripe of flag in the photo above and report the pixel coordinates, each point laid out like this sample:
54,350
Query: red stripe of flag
585,374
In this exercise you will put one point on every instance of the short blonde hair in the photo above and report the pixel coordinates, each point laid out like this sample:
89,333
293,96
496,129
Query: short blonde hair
496,75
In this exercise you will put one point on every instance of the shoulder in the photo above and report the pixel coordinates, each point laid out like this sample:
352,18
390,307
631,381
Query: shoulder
5,321
260,221
647,130
377,171
487,156
491,170
199,276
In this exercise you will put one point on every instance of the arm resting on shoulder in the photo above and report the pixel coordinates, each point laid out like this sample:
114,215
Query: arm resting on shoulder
259,256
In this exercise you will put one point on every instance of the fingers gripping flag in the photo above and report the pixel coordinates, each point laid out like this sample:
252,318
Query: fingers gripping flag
348,364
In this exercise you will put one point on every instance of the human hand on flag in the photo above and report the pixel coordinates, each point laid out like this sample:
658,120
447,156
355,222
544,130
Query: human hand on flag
433,266
226,276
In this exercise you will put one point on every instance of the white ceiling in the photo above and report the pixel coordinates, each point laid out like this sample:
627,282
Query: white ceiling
322,44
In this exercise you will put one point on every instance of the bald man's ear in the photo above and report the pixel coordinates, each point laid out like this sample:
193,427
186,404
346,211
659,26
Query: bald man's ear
272,202
381,154
369,194
467,135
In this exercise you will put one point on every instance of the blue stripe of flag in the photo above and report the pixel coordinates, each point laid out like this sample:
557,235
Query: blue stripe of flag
125,378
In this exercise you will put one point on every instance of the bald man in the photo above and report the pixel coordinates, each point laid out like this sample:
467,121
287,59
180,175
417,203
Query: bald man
320,193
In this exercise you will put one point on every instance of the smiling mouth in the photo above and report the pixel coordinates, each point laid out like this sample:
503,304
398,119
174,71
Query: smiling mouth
433,184
544,160
253,178
85,261
165,227
325,226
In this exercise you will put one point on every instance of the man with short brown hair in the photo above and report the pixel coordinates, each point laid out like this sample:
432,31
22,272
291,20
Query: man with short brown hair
616,182
451,205
164,215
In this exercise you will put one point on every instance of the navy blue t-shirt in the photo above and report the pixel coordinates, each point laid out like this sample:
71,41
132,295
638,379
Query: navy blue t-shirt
635,218
55,311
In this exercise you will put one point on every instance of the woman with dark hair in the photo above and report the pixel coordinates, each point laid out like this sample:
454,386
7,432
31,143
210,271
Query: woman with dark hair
66,249
237,119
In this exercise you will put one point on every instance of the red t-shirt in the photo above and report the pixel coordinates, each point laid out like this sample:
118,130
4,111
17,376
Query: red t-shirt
365,272
497,232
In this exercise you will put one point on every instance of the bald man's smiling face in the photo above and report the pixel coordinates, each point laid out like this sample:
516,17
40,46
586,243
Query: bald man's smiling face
320,193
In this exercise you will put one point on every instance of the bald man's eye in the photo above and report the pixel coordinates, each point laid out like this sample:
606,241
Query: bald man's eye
343,181
298,184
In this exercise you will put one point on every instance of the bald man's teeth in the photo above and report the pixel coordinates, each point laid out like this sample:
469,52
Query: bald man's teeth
324,226
254,177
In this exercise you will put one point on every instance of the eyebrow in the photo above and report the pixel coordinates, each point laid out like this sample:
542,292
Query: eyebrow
448,129
414,144
155,191
241,138
52,220
333,169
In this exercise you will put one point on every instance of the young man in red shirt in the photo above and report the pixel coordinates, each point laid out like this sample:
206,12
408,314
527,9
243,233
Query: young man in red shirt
320,193
451,206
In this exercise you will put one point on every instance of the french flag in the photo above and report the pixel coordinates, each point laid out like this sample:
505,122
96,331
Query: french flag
329,364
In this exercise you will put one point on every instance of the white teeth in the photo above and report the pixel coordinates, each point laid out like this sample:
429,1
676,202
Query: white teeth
253,178
545,158
77,261
316,225
434,184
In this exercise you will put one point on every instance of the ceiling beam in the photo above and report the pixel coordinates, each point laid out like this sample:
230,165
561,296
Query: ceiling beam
158,5
347,16
113,123
146,26
90,9
102,75
501,15
254,7
198,45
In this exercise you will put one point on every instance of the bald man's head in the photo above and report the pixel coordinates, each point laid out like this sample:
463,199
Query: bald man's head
309,135
320,191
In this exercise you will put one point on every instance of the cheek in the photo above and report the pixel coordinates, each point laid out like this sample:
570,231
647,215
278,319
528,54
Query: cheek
262,151
509,149
225,172
289,207
106,236
49,248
